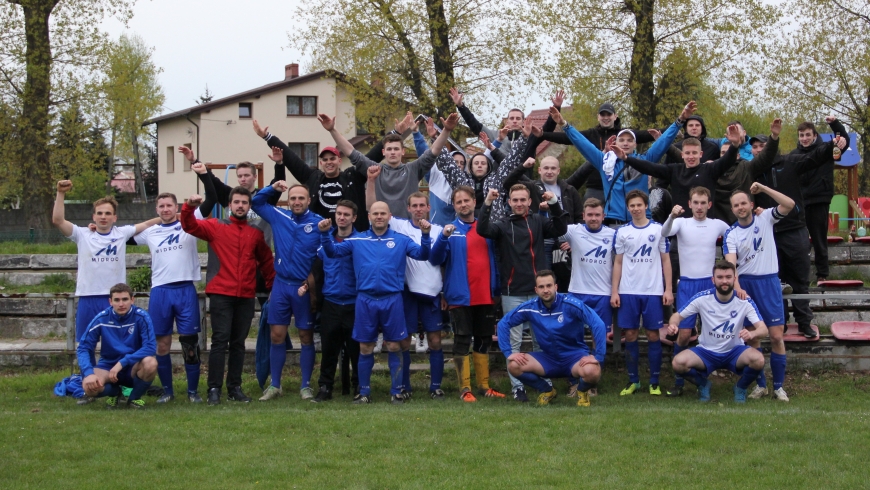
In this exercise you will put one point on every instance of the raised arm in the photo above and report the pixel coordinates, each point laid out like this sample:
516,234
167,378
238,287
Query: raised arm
420,252
785,203
371,193
284,157
661,145
557,224
261,202
441,246
649,168
765,160
589,151
473,124
198,228
140,227
58,215
485,227
341,142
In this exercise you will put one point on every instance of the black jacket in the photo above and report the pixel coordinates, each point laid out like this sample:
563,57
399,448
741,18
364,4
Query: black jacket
571,202
710,147
785,176
817,185
520,241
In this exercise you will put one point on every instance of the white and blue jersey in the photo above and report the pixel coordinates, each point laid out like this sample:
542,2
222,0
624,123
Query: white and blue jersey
591,259
641,250
126,339
421,276
339,281
754,244
173,254
559,329
102,258
296,238
722,321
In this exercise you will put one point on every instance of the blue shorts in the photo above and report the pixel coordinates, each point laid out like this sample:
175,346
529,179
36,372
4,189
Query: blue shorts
558,367
636,306
714,360
285,302
89,307
766,292
384,314
176,301
422,308
125,376
685,290
600,304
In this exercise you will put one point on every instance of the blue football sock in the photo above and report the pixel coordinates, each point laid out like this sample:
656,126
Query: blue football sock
436,369
164,372
747,378
277,358
306,363
632,352
777,367
406,370
678,378
192,371
583,386
695,377
654,355
365,365
139,388
536,382
110,389
760,379
395,363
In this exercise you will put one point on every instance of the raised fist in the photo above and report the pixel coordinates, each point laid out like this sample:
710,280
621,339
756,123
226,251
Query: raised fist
280,186
425,226
529,163
448,230
491,196
63,186
199,168
677,211
324,225
194,200
373,172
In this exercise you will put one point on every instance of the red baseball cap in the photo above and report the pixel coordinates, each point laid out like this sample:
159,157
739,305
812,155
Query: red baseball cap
330,149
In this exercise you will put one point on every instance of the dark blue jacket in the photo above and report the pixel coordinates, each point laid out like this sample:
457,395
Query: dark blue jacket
126,339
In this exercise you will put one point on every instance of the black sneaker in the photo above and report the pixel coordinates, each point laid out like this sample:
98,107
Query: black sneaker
437,394
236,395
807,331
674,392
405,394
214,396
361,399
324,394
397,399
193,397
520,396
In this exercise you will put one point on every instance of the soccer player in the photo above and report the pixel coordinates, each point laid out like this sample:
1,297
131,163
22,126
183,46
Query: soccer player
339,304
641,260
127,350
470,284
379,266
559,322
101,253
296,247
174,269
721,346
697,237
241,250
749,244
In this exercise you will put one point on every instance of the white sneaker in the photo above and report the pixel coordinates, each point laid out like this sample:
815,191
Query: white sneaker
757,393
317,347
379,344
780,395
422,344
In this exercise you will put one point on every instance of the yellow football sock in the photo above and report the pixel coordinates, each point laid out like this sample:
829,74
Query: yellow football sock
463,371
481,370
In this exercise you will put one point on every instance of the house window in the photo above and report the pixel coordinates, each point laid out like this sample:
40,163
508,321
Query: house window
170,159
308,152
301,106
186,162
246,110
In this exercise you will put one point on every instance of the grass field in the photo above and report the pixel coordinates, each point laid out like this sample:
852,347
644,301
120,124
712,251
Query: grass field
68,247
820,438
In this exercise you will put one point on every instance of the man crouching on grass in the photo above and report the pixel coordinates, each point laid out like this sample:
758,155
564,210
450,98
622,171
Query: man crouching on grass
559,322
128,350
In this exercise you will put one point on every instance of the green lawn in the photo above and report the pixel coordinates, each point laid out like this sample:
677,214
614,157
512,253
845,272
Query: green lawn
822,437
68,247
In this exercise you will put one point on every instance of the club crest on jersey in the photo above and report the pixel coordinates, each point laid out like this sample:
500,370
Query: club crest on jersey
755,230
606,241
308,228
391,244
733,313
652,238
113,240
177,227
560,319
130,330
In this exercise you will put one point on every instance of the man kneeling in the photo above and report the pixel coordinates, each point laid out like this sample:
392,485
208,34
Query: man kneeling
127,350
559,323
721,346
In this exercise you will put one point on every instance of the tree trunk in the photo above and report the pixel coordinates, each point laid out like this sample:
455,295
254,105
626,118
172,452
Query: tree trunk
442,56
34,126
640,78
137,168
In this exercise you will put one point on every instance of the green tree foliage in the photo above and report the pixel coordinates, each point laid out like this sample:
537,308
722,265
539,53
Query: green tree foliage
51,53
641,53
415,50
823,67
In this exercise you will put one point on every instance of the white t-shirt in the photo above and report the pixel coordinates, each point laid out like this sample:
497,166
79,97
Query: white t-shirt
722,322
697,240
591,259
420,275
641,250
102,259
754,245
173,254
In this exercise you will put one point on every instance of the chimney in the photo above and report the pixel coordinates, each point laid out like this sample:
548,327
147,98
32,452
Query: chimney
291,71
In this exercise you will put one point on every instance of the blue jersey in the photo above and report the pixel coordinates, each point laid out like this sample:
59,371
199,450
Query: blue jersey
559,329
339,282
126,339
452,252
378,261
295,236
